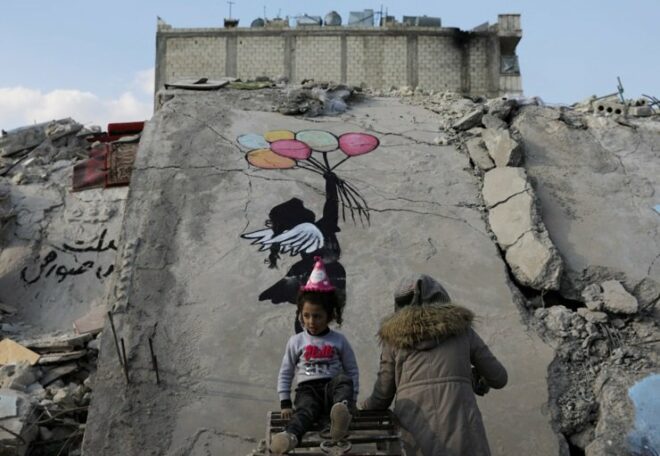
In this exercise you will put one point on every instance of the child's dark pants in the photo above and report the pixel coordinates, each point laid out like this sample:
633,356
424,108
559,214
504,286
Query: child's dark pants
315,398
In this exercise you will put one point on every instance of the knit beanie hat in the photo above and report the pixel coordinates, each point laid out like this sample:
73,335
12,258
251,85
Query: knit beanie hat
418,289
318,279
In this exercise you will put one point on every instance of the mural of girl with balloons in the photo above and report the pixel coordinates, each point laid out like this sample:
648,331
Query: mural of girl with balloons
292,228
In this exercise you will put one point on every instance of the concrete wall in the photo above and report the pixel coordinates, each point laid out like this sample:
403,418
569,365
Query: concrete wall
445,59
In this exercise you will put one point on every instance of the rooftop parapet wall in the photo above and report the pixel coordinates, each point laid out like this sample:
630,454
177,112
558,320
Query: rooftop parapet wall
477,62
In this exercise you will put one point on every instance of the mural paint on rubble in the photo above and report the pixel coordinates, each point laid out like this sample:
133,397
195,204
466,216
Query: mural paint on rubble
293,228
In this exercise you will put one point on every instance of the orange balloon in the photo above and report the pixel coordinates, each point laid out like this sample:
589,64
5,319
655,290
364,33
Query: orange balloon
267,159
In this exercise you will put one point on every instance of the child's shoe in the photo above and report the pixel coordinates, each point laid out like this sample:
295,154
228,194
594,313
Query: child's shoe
283,442
340,420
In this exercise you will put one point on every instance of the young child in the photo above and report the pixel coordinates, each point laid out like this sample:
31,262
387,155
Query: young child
431,361
323,363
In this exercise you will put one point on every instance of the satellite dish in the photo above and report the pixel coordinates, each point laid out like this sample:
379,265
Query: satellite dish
257,23
332,19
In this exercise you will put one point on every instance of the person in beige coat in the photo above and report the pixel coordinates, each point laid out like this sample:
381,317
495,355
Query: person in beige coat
433,361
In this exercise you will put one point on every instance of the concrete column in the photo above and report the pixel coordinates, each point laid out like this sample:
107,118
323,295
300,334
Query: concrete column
231,56
412,63
344,59
290,57
161,62
465,66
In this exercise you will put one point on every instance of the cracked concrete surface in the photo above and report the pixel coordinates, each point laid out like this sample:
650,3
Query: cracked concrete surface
192,284
597,189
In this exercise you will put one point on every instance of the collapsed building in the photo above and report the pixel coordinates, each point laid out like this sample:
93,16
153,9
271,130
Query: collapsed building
542,220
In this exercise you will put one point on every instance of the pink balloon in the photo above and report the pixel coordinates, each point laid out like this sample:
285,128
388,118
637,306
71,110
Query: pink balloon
291,148
353,144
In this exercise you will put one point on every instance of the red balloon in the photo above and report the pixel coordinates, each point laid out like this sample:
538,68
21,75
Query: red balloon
291,148
353,144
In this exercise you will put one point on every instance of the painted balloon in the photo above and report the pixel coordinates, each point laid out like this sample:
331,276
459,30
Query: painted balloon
277,135
252,141
353,144
291,148
318,140
267,159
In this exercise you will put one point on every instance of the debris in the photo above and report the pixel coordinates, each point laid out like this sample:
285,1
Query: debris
54,358
16,432
65,342
592,316
18,376
479,154
250,85
535,261
57,372
504,150
513,218
617,300
12,353
500,184
493,122
469,120
198,84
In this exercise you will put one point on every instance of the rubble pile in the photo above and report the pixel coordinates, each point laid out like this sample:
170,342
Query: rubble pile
47,382
601,322
57,254
313,99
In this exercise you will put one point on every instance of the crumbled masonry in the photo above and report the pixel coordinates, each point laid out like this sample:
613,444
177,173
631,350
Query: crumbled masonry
540,219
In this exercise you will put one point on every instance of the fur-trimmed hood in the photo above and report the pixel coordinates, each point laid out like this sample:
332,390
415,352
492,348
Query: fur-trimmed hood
422,327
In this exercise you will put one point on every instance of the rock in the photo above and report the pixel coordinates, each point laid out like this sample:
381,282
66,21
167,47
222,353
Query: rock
490,121
62,395
503,149
94,344
593,296
18,376
647,292
478,154
559,319
469,120
535,261
513,218
592,316
617,300
501,184
500,108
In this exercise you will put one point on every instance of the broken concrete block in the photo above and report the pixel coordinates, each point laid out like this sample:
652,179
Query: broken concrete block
18,376
535,261
617,300
500,108
12,353
503,149
593,297
490,121
66,342
501,184
57,372
53,358
513,218
16,430
592,316
469,120
640,111
478,154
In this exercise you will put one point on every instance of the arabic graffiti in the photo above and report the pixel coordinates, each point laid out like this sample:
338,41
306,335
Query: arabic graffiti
50,266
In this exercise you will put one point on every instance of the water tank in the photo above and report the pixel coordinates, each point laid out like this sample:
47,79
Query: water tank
306,20
361,18
332,19
257,23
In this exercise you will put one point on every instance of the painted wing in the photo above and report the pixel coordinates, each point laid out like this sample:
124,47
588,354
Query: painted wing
305,237
260,237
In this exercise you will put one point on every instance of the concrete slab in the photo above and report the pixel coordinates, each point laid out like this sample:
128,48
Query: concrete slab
194,284
597,189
